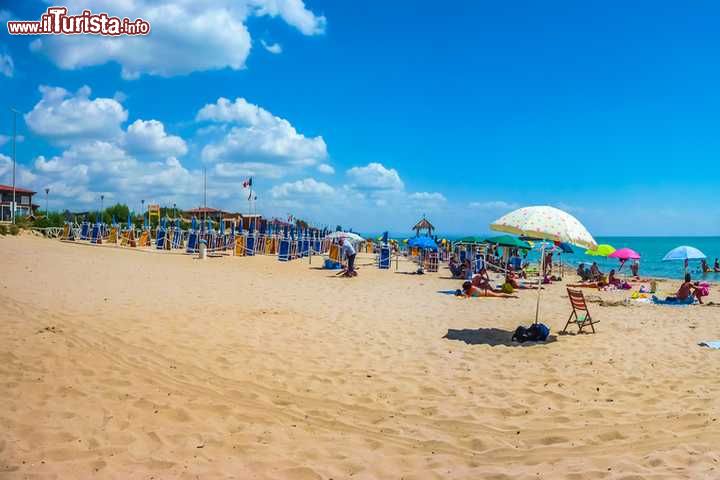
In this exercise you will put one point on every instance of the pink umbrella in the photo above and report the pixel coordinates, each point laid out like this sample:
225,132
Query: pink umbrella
624,254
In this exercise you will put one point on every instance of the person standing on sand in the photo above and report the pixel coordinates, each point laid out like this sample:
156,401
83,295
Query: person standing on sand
349,252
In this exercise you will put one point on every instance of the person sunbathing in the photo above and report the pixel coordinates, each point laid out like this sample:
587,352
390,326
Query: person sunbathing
583,272
482,280
455,267
595,273
613,280
512,279
687,290
471,291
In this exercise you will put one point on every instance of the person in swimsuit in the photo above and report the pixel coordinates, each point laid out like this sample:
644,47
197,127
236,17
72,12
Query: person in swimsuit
716,265
687,290
471,291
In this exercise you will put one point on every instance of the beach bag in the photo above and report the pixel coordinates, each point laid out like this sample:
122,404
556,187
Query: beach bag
537,332
507,288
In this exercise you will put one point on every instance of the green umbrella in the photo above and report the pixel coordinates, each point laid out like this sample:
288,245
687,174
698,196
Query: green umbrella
471,240
602,250
508,241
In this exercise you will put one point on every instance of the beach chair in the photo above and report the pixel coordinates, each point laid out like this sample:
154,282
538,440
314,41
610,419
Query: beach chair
240,245
430,263
580,314
144,240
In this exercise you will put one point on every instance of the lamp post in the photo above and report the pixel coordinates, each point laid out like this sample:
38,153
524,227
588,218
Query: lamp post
102,200
142,209
174,211
47,195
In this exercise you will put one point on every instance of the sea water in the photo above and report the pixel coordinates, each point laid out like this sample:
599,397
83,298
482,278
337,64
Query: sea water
651,249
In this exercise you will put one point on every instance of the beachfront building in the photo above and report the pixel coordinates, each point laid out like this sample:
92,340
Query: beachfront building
206,212
424,226
23,200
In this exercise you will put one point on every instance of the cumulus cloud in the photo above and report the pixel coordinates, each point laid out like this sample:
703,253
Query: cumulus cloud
326,169
493,205
375,176
256,135
308,187
149,137
274,48
63,117
186,36
248,169
23,176
7,66
431,197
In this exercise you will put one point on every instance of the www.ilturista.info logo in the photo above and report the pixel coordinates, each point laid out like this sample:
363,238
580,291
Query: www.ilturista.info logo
56,21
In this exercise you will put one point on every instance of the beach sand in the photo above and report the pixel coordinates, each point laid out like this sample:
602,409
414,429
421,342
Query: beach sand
123,364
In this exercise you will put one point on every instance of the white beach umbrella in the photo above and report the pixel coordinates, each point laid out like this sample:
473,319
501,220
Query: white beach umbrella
353,237
545,223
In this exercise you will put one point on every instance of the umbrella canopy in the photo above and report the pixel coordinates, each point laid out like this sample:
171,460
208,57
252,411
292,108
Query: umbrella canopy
684,253
508,241
471,240
602,250
565,247
353,237
546,223
423,242
625,254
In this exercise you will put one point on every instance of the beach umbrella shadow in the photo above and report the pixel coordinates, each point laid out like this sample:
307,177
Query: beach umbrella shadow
490,336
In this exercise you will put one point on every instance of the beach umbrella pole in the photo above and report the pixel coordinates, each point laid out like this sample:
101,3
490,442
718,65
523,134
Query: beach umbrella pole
542,272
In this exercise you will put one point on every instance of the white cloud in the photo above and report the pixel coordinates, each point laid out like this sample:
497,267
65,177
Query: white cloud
8,139
493,205
294,13
23,177
274,48
258,136
326,169
375,176
149,137
7,66
433,197
65,117
248,169
186,35
308,187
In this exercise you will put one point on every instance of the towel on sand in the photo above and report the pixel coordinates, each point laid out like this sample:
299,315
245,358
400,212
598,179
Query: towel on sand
688,301
714,344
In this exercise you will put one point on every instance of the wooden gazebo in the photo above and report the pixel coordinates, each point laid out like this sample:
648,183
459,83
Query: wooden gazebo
423,226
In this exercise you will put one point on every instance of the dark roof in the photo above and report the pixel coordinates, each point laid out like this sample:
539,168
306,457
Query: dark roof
423,224
204,210
8,188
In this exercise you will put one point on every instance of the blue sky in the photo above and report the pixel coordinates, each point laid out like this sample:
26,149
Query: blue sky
370,114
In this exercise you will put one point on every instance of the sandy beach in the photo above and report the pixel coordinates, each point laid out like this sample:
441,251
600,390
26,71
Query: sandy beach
124,364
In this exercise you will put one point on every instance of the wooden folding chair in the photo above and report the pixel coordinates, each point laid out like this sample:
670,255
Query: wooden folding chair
580,314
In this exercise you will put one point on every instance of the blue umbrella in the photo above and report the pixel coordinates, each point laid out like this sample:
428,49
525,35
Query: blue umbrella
194,223
423,242
566,247
684,253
